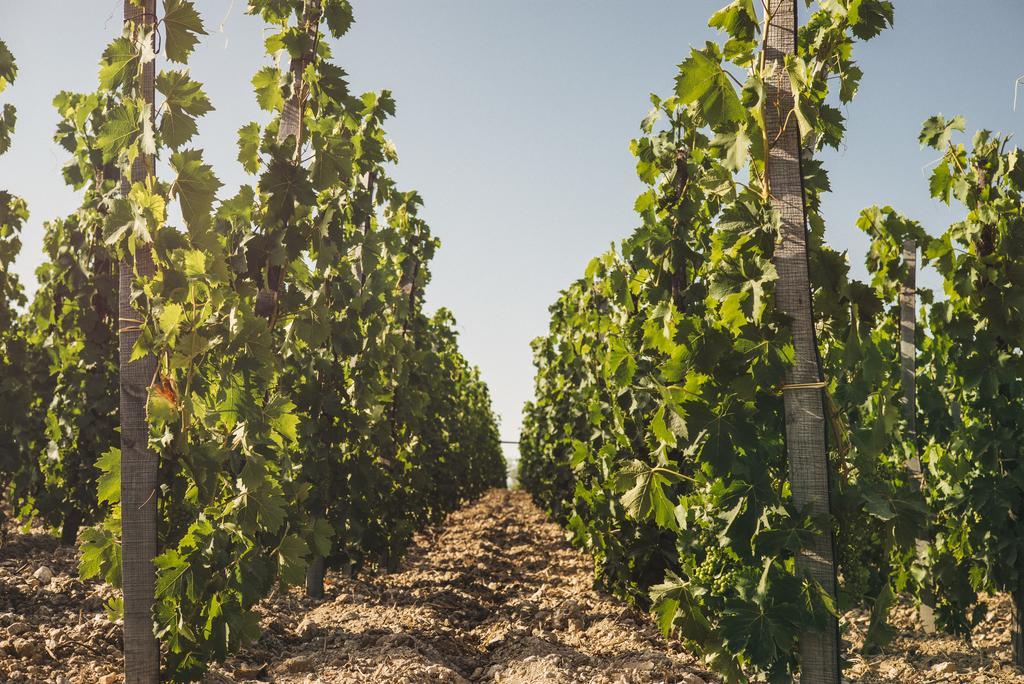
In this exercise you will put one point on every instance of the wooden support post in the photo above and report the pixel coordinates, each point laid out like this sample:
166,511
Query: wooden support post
139,467
908,379
804,402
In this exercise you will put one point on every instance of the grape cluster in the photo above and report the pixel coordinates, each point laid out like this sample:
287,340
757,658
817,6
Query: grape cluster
859,545
717,572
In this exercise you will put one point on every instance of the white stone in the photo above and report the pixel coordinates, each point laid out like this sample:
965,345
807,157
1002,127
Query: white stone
43,574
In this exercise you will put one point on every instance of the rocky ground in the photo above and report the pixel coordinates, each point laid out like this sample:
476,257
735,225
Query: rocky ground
53,627
494,595
917,658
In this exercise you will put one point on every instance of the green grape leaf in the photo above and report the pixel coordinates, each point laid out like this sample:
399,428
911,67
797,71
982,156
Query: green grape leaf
332,160
8,67
734,147
182,28
323,533
788,538
620,364
850,83
120,65
121,131
940,184
936,132
108,483
701,80
267,83
160,407
286,184
338,14
676,606
331,81
249,146
195,186
90,560
644,492
195,263
185,101
870,17
7,121
880,633
292,557
100,552
878,506
286,424
660,429
738,19
762,633
171,569
270,508
170,318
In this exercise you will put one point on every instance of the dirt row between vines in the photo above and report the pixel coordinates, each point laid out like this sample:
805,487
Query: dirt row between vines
493,595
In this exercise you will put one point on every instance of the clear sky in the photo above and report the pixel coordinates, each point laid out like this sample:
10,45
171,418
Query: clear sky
514,119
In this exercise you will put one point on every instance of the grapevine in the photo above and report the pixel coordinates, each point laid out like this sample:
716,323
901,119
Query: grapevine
21,364
971,375
658,414
255,409
73,313
305,411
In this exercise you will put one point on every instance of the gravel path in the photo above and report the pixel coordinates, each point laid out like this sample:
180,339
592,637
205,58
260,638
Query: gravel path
495,595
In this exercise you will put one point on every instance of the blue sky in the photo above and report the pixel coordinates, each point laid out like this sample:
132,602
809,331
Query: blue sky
514,120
